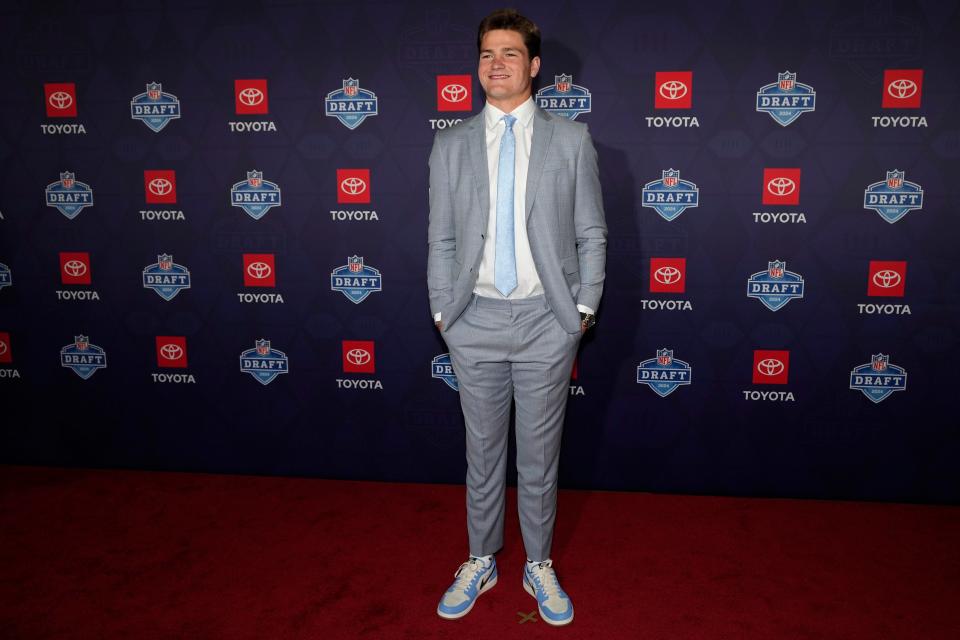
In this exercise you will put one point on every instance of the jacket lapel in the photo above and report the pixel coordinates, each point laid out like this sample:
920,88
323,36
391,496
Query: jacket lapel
542,135
477,150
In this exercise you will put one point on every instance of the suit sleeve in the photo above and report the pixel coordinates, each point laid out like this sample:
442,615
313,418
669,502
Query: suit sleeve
589,225
441,232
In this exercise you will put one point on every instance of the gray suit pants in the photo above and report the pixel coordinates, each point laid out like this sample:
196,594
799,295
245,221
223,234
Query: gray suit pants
504,350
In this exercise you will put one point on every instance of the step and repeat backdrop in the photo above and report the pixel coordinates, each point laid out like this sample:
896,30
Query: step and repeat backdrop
213,240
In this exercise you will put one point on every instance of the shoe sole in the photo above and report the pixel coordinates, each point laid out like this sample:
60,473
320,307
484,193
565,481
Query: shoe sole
457,616
555,623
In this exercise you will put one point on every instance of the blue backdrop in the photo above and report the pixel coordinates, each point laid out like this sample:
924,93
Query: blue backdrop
865,113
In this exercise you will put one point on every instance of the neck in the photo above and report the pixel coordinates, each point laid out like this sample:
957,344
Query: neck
507,106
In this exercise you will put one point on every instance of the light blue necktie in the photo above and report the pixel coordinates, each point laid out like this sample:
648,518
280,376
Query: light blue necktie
505,260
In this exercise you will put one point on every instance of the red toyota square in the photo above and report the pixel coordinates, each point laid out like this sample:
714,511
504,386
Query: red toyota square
902,88
172,352
576,366
358,356
673,90
6,353
455,93
160,186
250,96
770,367
61,99
887,279
75,267
668,275
353,186
781,186
259,270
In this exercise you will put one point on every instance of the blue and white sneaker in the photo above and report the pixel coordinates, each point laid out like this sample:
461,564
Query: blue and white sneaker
472,578
540,581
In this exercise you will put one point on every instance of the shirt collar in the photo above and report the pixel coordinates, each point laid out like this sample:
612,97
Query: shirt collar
523,114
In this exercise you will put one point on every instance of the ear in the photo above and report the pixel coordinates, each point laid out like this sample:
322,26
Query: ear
535,67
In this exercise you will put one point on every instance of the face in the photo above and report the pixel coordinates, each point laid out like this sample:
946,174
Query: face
506,70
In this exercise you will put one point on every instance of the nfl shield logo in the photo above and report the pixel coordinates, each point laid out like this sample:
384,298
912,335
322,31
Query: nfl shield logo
787,80
254,178
355,264
879,362
67,179
671,178
82,342
263,347
563,83
351,87
664,357
895,179
775,269
165,262
154,89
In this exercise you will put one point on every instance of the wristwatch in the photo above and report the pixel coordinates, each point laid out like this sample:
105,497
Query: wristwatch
587,320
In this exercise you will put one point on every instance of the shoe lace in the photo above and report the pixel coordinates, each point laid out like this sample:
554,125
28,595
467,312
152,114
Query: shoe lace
547,578
467,573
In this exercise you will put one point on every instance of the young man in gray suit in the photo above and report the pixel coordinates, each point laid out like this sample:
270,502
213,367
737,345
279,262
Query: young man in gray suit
515,270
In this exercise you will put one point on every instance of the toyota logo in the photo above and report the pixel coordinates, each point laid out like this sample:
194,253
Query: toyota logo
886,279
259,270
251,96
673,89
60,100
902,88
171,352
358,356
353,186
74,268
667,275
781,186
3,347
160,186
770,367
454,93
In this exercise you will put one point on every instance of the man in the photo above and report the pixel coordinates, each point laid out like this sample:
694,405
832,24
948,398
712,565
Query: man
515,270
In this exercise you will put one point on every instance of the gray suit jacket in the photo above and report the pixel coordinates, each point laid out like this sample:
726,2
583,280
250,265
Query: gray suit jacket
564,209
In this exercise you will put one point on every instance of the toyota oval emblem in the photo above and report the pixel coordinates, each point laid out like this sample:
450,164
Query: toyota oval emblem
886,279
353,186
358,356
781,186
454,93
60,100
667,275
902,88
251,96
160,186
259,270
770,367
74,268
171,351
673,89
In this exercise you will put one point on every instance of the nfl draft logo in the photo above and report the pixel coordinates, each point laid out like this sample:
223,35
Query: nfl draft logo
82,357
878,378
664,373
351,105
355,280
442,369
894,197
776,286
166,277
670,196
69,196
263,362
154,107
6,277
786,98
563,98
255,195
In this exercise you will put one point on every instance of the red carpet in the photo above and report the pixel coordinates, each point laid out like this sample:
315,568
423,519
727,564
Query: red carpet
111,554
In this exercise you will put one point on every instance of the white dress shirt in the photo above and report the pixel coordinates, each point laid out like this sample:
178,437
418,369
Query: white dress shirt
528,280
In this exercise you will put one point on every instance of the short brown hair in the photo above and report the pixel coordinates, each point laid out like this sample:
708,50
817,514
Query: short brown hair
511,20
